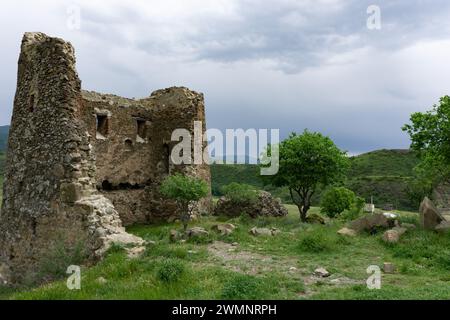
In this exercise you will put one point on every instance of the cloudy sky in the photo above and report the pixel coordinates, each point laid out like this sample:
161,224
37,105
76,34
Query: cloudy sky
287,64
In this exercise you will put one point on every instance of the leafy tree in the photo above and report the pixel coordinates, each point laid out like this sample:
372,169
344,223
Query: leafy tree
240,193
308,161
337,200
430,135
186,191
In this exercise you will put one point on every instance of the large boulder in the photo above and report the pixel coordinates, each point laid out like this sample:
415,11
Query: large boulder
265,205
429,215
371,222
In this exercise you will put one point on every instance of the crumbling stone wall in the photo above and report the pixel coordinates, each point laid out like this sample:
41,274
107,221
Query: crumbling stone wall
66,182
133,146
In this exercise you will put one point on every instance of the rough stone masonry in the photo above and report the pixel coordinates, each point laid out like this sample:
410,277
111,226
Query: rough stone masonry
82,165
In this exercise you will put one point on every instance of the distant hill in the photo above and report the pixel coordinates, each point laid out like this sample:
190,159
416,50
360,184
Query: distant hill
4,137
383,174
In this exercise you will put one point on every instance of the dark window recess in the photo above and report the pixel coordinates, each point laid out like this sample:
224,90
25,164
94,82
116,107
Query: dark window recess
141,128
31,103
108,186
128,143
166,154
102,125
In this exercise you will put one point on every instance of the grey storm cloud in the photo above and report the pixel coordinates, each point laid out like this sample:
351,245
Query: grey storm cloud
288,64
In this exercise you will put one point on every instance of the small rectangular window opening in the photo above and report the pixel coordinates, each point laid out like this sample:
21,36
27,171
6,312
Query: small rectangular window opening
31,103
102,125
141,129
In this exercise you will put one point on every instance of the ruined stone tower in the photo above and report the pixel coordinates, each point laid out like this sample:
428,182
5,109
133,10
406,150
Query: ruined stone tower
80,165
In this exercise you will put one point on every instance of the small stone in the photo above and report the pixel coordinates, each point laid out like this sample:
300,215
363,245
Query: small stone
293,269
174,235
335,281
196,232
388,268
224,229
347,232
235,244
264,231
135,252
101,280
322,273
393,235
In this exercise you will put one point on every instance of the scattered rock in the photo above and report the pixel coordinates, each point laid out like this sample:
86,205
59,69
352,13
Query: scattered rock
264,231
371,222
293,269
197,232
224,229
135,252
265,205
393,235
101,280
388,268
347,232
443,227
315,218
174,235
235,244
429,215
322,273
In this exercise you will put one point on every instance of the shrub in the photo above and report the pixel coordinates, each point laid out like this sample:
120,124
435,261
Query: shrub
171,270
241,287
355,210
337,200
315,243
240,193
185,191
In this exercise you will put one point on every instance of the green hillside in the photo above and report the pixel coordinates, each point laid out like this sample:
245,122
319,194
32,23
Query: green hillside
382,174
4,137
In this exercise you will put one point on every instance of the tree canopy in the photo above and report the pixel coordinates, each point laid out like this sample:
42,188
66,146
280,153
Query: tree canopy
430,135
307,161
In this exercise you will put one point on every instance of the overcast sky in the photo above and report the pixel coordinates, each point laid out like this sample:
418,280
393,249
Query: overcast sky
261,64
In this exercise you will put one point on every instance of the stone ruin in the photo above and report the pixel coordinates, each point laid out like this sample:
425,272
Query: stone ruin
82,165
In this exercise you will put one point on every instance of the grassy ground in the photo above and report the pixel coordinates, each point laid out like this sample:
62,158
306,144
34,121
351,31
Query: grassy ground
277,267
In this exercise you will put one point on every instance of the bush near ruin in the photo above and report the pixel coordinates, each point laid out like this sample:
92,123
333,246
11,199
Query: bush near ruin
263,205
186,191
336,200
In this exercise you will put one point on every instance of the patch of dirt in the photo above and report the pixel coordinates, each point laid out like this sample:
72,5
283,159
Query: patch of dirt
234,259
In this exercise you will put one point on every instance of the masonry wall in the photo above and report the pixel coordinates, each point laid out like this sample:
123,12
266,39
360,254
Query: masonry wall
133,145
46,144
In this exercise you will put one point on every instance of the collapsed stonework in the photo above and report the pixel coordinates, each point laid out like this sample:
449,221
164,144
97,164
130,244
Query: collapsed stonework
81,165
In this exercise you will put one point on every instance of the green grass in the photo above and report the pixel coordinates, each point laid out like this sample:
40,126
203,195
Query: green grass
263,267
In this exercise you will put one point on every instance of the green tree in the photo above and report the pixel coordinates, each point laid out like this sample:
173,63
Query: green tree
336,200
430,136
186,191
308,161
